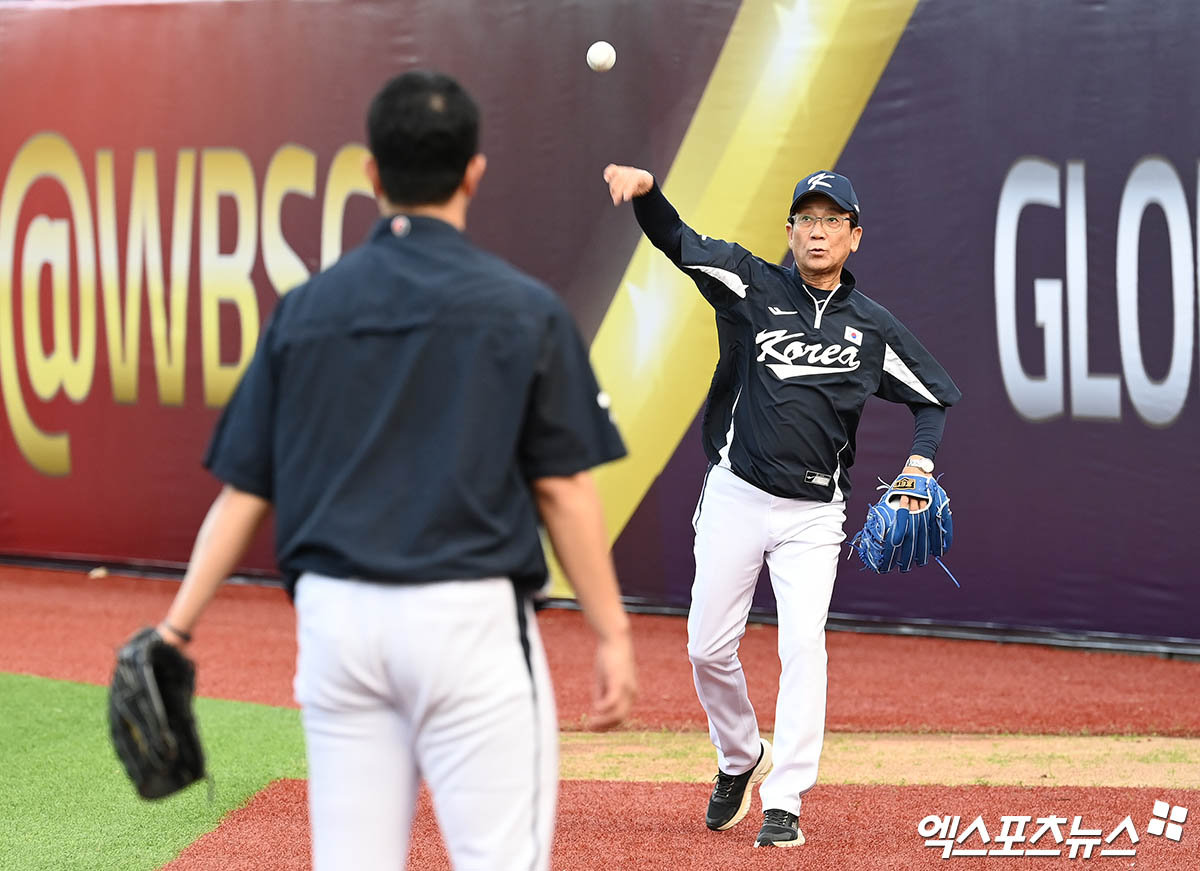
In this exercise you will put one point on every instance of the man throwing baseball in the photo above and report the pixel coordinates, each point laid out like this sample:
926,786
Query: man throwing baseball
410,413
801,351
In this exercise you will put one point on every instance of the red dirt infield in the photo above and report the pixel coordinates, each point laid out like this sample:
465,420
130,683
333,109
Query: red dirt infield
245,650
64,625
657,827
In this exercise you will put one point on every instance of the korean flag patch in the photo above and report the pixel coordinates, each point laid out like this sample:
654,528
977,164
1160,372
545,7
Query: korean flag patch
854,336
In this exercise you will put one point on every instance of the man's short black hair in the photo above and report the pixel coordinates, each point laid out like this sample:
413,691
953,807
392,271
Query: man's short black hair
423,129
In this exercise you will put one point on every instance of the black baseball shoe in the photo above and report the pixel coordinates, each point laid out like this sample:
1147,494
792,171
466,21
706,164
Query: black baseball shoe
731,796
779,829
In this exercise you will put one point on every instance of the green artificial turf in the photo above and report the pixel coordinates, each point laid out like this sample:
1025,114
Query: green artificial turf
65,802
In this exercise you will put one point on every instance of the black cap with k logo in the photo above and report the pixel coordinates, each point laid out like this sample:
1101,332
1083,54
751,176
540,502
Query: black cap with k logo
836,187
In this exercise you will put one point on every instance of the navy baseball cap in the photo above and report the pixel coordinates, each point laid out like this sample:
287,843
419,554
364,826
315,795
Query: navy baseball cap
836,187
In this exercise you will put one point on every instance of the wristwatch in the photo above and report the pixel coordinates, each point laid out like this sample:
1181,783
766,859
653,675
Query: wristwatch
922,463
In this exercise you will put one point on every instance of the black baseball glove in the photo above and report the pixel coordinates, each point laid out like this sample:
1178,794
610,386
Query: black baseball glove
150,715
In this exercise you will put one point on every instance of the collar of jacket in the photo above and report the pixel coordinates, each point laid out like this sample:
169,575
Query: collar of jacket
848,283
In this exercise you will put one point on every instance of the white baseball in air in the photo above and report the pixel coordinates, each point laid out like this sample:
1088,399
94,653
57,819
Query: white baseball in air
601,56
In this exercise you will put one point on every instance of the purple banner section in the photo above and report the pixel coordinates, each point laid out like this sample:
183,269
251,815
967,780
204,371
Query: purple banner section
1035,168
1027,173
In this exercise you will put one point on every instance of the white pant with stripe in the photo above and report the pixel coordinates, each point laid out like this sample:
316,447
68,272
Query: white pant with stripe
737,527
444,682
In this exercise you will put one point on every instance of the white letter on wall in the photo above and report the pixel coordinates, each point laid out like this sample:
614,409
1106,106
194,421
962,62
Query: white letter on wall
1031,181
1155,182
1092,396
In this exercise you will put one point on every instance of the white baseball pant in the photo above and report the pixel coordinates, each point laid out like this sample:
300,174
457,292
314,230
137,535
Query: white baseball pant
738,525
443,682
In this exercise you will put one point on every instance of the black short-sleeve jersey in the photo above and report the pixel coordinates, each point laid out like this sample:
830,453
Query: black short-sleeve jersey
400,403
796,364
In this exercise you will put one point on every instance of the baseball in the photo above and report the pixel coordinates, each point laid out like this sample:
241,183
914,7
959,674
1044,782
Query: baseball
601,56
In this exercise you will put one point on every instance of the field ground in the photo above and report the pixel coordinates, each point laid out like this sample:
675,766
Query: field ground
1004,730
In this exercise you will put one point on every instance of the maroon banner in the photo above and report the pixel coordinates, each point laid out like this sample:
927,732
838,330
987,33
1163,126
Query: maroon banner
1028,176
165,183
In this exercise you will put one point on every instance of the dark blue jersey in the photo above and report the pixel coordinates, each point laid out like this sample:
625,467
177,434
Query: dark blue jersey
400,403
796,364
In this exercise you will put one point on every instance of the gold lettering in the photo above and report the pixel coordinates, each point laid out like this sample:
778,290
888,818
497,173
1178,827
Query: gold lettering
121,328
46,155
225,278
169,336
47,243
346,178
292,170
143,253
64,361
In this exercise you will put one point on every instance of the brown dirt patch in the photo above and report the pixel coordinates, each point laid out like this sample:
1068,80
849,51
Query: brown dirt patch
658,827
885,683
888,758
269,832
245,648
63,625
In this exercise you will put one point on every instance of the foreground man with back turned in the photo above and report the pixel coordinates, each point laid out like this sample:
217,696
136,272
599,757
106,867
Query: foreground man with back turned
410,413
801,351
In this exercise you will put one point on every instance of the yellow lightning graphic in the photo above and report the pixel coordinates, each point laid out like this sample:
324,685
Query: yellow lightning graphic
786,92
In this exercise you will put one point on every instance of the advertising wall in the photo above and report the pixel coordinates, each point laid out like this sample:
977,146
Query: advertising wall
1027,174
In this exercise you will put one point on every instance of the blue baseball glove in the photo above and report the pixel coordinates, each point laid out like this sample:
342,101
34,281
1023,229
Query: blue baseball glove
899,538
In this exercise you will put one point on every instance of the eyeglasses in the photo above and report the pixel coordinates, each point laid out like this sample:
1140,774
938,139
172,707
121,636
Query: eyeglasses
832,223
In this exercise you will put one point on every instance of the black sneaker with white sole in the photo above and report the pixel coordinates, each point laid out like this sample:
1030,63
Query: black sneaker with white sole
779,829
731,796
